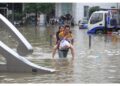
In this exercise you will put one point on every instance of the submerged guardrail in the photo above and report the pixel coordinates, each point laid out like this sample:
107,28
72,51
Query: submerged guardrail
15,62
24,46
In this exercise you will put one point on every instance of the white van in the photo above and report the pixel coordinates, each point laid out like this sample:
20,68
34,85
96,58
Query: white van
103,21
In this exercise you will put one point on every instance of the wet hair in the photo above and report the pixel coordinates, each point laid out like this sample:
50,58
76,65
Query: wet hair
70,31
67,26
60,27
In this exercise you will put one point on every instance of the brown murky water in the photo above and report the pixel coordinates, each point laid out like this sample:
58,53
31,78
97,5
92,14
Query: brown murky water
100,64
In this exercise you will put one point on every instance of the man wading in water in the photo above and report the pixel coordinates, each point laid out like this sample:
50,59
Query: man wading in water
64,40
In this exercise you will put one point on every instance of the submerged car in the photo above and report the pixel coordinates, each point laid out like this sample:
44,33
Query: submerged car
83,24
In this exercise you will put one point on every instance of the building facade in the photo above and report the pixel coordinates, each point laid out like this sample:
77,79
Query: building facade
79,10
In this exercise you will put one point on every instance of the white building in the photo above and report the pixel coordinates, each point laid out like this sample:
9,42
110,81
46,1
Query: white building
79,10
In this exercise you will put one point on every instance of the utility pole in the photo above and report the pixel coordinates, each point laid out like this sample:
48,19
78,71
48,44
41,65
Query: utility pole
13,13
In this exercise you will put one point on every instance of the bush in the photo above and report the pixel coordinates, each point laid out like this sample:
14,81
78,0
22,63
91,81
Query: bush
17,16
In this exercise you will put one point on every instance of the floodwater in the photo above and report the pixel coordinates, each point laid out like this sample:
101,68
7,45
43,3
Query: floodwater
98,64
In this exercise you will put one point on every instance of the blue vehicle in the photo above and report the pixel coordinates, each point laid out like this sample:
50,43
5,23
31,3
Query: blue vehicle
83,24
102,21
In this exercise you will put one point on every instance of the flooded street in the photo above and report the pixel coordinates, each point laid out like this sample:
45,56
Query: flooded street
98,64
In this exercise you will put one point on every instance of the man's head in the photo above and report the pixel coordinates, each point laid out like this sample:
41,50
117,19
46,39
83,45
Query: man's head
67,29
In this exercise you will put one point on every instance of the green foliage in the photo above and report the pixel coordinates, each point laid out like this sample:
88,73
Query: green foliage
17,16
93,9
39,7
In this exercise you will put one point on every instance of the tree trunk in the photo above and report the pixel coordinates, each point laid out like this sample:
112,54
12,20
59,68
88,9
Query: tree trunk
35,18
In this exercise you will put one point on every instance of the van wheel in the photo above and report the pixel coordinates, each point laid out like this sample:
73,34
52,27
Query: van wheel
99,32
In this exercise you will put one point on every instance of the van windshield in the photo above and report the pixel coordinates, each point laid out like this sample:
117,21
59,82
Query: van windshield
96,17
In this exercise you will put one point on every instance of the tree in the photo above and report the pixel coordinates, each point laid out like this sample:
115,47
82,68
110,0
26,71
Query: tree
36,8
40,7
93,9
